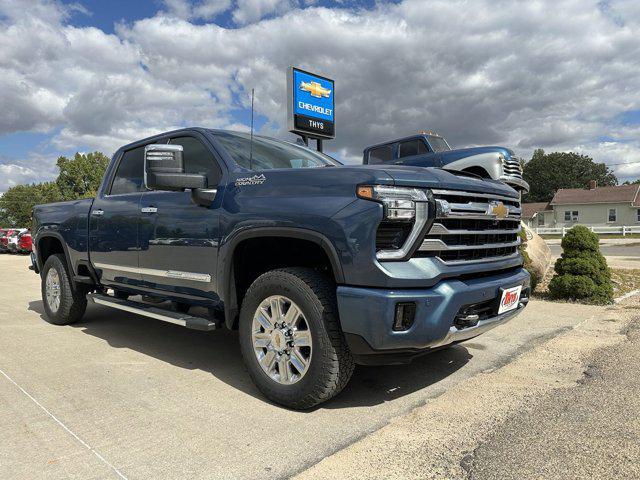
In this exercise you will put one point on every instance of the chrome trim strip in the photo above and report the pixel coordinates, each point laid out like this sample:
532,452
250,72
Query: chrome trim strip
422,215
456,335
196,277
435,245
439,229
461,193
479,260
139,311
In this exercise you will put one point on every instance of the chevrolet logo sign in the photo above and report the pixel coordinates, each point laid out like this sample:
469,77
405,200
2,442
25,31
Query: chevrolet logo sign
498,210
315,89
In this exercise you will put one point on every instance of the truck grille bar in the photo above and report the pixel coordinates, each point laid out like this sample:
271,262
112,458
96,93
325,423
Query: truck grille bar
472,227
512,168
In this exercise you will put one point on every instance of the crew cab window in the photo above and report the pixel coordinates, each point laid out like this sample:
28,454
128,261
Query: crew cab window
381,154
129,177
198,159
412,147
262,153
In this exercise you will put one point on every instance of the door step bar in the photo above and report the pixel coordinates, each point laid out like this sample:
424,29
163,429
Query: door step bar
183,319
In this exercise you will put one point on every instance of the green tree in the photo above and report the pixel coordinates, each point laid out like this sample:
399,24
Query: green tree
548,172
80,177
17,202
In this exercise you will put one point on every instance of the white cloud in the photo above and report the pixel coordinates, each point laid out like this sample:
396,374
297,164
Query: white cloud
35,168
205,9
249,11
524,74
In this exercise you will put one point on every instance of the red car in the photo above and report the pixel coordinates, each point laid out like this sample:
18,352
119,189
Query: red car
24,242
4,239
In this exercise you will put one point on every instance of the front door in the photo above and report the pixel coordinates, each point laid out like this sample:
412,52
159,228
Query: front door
179,238
113,223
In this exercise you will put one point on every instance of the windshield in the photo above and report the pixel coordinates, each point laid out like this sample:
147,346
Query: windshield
438,144
268,153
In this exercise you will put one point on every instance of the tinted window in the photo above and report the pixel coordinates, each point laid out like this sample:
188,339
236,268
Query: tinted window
381,154
198,159
412,147
267,153
130,175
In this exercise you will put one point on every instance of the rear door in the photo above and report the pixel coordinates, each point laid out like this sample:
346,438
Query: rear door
113,223
179,238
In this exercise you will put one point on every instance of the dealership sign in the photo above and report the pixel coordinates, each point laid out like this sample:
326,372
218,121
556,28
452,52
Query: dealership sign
310,104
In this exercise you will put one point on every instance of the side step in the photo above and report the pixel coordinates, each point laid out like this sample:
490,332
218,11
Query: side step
183,319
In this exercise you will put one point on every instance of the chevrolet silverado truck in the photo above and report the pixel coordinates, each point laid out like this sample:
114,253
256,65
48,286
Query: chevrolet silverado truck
428,149
319,265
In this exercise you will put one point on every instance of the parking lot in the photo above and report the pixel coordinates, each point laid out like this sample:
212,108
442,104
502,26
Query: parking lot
121,396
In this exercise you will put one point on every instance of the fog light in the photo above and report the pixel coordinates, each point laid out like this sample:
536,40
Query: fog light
404,317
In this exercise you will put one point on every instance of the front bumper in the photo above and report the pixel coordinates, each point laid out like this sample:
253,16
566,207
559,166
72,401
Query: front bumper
367,315
515,182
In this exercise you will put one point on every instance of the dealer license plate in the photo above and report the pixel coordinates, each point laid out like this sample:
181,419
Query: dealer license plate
510,299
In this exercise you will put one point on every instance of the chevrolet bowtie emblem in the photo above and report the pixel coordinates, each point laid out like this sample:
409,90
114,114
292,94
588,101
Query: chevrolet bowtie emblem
498,210
315,89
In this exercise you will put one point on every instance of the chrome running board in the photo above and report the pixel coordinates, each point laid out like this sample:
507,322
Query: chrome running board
146,310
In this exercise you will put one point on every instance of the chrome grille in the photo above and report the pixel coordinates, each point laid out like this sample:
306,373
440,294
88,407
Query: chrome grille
512,167
472,227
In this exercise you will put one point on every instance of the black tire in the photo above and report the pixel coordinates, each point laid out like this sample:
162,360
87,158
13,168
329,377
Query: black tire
331,363
73,301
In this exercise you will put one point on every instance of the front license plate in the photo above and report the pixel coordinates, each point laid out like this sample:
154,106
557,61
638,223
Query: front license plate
510,299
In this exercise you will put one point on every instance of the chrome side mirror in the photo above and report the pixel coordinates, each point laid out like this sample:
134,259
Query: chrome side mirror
164,169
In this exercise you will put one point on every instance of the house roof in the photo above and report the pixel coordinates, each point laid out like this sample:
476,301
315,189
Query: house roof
530,209
616,194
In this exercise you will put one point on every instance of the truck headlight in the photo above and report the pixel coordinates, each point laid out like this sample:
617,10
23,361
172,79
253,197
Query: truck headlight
399,202
406,214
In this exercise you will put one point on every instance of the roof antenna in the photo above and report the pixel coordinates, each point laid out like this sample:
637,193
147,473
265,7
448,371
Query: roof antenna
251,141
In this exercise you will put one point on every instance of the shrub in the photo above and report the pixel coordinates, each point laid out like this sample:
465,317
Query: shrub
582,272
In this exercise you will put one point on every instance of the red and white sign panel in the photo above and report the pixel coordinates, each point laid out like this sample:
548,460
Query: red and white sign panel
510,299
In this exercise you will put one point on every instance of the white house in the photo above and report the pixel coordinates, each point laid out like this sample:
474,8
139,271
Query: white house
592,206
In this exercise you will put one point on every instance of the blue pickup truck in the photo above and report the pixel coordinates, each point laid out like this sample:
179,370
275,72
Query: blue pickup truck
319,265
428,149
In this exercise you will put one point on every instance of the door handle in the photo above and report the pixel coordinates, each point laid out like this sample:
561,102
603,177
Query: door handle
97,213
148,209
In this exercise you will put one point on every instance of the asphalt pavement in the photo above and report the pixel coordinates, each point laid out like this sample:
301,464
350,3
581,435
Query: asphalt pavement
121,396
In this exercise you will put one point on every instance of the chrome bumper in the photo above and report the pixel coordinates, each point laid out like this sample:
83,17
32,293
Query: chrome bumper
456,335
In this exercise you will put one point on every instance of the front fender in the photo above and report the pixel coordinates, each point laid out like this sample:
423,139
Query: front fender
489,161
226,283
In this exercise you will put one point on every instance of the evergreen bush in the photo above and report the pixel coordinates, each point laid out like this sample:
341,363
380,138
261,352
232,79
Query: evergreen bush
581,272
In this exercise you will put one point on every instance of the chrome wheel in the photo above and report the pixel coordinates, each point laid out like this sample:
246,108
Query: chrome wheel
281,339
52,289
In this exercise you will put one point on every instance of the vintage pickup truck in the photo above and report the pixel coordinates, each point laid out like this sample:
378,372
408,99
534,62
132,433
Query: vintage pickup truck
428,149
319,265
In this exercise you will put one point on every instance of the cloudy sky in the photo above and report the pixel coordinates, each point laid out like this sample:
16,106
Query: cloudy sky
96,74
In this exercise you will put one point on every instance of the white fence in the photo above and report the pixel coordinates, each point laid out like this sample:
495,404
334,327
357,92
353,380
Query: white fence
621,230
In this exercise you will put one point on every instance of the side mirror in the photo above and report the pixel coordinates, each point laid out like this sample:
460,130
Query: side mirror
164,169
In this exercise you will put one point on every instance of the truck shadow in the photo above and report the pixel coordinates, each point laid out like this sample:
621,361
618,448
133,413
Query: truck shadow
219,354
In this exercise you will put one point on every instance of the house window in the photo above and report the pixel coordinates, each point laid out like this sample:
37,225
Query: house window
571,216
638,215
541,219
613,215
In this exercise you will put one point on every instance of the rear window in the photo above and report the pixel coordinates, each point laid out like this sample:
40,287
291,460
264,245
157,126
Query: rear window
381,154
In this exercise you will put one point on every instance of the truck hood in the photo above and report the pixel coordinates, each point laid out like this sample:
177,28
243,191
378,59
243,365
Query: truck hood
404,175
453,155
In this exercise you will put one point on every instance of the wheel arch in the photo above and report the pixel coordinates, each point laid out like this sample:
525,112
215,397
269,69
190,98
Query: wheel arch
52,243
228,280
